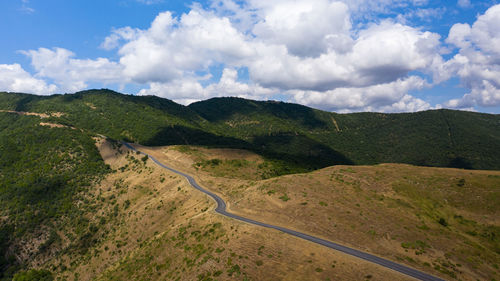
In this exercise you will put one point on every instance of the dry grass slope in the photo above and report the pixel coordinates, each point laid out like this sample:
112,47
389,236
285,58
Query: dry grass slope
442,221
150,225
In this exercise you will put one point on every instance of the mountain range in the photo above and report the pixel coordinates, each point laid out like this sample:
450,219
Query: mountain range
76,203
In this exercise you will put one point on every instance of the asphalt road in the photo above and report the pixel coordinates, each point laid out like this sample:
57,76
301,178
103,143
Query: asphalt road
221,209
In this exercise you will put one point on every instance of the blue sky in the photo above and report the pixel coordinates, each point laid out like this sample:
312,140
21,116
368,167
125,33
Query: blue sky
344,56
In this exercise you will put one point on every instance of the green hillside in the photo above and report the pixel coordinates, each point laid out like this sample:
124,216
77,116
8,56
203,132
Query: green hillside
43,172
297,138
443,138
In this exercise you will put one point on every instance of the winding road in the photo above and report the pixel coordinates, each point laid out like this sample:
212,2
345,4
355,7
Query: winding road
221,209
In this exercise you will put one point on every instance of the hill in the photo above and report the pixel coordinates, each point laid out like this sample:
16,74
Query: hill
141,222
44,171
71,211
439,220
442,138
295,138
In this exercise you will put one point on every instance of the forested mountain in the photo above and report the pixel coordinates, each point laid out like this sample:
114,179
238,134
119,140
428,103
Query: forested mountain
444,138
298,137
49,160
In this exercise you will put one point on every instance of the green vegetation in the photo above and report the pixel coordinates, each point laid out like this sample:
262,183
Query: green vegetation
46,172
43,172
444,138
33,275
285,197
294,138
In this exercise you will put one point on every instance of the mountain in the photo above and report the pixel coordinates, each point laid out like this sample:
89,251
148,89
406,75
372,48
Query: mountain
76,204
443,138
296,137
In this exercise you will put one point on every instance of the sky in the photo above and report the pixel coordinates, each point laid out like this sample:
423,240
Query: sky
335,55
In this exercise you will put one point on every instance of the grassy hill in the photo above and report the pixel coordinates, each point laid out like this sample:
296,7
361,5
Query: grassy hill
439,220
141,222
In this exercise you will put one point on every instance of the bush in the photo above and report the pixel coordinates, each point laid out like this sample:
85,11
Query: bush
443,222
285,197
33,275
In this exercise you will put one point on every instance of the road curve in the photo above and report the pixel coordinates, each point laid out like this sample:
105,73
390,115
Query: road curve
221,209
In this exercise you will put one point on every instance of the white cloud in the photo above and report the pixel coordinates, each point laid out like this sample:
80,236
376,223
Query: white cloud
478,61
73,74
118,35
388,97
486,95
171,47
371,10
306,28
14,78
189,90
424,14
306,45
25,8
382,53
309,49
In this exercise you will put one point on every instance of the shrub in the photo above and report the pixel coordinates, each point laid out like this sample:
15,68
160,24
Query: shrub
285,197
33,275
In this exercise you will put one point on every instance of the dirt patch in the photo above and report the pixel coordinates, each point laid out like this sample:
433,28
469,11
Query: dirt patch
234,124
57,114
336,125
41,115
53,125
92,106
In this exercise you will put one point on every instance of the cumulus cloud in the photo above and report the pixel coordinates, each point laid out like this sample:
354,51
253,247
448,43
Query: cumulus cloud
14,78
314,51
117,36
306,28
306,46
381,53
189,90
73,74
388,97
478,60
173,46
